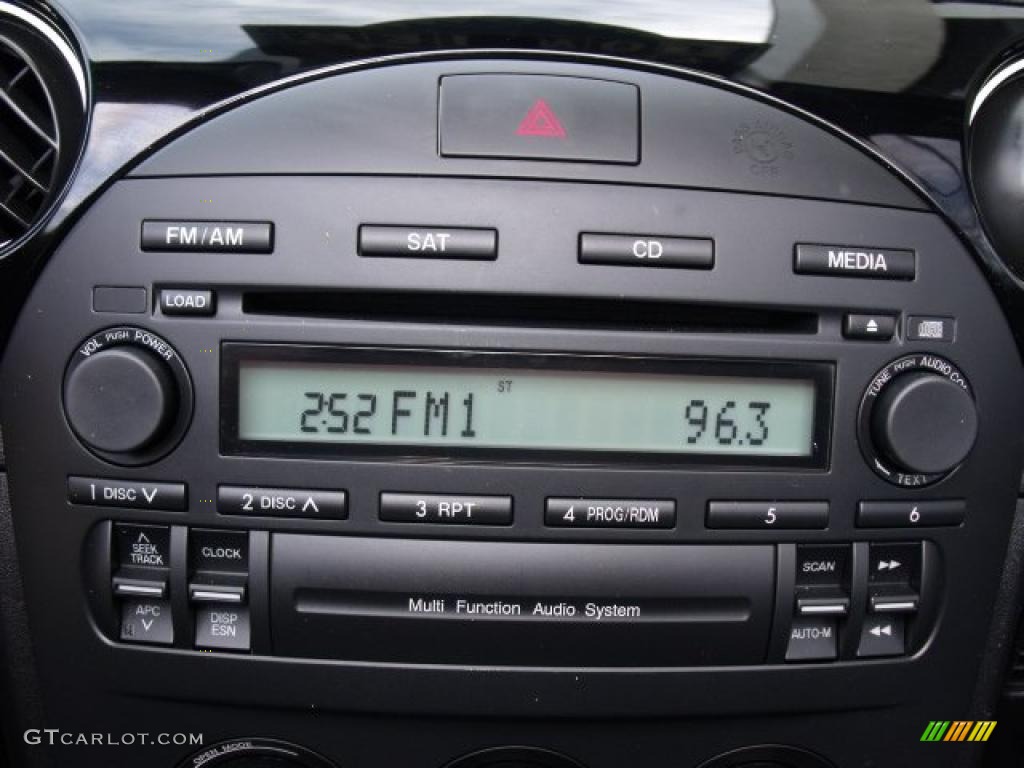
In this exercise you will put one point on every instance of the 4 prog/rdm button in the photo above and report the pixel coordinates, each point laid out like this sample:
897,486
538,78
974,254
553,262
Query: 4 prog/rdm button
767,515
426,243
208,236
851,261
445,510
610,513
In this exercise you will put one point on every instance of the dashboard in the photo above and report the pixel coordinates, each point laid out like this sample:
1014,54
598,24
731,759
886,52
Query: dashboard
577,387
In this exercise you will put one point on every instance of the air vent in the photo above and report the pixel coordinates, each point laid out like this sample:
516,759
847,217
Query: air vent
42,120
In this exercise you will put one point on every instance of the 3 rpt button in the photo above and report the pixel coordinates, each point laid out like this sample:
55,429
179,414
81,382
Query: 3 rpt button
445,510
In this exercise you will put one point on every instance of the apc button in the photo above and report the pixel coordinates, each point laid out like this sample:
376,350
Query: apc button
812,639
185,301
147,621
851,261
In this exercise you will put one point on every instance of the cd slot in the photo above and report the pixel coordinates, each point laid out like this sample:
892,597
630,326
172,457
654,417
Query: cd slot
529,311
520,604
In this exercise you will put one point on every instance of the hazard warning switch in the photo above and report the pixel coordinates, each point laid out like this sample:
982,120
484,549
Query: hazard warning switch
539,117
541,120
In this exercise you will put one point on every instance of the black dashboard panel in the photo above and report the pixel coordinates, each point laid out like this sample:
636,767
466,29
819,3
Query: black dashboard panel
416,563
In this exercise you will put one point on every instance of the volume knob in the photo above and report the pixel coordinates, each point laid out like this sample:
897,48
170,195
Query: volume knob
123,395
921,420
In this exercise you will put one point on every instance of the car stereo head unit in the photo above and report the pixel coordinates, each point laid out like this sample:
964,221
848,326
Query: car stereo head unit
494,406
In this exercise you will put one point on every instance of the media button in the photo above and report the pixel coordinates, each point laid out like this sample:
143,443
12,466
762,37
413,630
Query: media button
647,251
855,261
767,515
445,510
429,243
281,502
610,513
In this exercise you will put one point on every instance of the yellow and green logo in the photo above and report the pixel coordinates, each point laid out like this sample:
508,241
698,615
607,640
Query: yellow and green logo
958,730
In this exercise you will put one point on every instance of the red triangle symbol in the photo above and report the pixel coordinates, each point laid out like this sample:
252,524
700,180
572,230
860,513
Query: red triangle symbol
541,120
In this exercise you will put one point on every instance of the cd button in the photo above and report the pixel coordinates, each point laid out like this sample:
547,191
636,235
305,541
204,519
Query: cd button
767,515
647,251
610,513
445,510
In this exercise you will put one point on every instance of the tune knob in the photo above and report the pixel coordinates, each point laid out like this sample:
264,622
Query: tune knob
127,395
919,421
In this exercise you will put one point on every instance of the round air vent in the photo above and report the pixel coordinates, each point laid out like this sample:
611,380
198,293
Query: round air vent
42,120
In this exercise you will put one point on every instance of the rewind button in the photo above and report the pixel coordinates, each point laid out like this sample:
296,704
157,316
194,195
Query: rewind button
882,637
